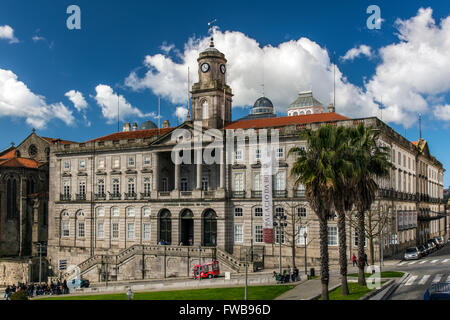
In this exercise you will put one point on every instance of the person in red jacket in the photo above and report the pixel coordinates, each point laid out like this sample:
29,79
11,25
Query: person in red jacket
355,261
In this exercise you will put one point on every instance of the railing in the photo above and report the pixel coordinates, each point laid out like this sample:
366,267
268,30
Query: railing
145,195
256,194
100,196
238,194
280,194
130,196
65,197
164,193
209,194
81,196
299,194
115,196
186,193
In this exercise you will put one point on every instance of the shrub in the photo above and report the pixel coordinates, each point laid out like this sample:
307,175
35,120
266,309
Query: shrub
20,295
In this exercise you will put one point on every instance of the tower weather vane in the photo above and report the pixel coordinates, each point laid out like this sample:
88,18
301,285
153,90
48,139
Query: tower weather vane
211,30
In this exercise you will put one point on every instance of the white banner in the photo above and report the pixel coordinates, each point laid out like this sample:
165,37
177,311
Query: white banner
267,201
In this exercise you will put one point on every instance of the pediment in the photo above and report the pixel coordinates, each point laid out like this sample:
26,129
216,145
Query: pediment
166,140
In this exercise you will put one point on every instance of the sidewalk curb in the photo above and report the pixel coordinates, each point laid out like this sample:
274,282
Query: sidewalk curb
376,291
392,289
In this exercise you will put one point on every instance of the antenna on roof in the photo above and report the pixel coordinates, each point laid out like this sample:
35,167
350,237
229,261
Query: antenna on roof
420,125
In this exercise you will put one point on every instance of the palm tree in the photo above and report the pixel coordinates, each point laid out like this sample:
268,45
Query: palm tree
370,161
343,196
314,169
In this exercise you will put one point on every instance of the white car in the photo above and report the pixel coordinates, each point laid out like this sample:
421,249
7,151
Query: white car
412,253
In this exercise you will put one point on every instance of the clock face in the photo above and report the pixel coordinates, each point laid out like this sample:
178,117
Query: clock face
205,67
223,69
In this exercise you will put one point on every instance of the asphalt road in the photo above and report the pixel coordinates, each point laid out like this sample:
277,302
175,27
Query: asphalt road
423,272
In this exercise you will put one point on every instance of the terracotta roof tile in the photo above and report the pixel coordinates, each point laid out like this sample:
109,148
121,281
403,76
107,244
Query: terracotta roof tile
21,163
286,121
54,140
9,155
138,134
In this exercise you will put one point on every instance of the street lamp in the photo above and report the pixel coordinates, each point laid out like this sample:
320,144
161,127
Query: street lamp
280,224
246,273
306,261
40,246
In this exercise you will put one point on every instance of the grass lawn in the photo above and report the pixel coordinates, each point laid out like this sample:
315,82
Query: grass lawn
254,293
356,292
384,274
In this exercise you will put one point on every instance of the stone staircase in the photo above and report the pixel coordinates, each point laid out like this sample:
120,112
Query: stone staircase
175,251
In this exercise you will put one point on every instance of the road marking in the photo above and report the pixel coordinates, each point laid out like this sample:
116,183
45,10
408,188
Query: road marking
412,262
402,263
422,262
445,260
411,281
437,278
434,261
424,279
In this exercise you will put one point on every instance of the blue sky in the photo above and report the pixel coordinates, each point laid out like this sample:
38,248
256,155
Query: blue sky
293,42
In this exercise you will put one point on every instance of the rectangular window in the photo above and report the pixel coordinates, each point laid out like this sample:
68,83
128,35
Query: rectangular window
238,212
184,184
116,163
258,234
81,233
205,183
82,187
257,183
300,235
239,182
66,165
356,241
116,186
100,230
130,230
101,187
280,181
147,186
301,212
280,153
65,229
239,155
146,228
66,188
399,158
82,164
258,212
115,230
238,233
147,160
258,154
131,162
101,163
279,235
131,186
332,236
115,212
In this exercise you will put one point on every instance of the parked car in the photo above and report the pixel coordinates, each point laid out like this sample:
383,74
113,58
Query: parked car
432,245
412,253
438,291
439,241
423,251
78,283
427,248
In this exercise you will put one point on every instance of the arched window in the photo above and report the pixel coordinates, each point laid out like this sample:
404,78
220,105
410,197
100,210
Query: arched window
308,112
130,212
100,212
115,211
205,110
146,212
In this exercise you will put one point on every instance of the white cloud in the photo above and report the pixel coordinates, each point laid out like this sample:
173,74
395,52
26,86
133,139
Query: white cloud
413,70
408,74
6,32
357,52
181,113
17,100
108,100
77,99
442,112
38,38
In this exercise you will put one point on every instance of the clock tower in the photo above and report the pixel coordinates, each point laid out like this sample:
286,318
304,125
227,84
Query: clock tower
211,96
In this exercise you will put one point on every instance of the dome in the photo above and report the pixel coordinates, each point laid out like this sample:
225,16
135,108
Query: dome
262,105
148,125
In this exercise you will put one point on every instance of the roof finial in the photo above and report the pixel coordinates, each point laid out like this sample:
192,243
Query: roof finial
211,31
12,144
33,130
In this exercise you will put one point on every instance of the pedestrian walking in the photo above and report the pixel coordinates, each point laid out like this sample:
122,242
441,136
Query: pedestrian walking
355,261
366,261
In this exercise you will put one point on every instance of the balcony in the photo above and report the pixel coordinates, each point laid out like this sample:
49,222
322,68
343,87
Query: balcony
238,194
256,194
186,193
280,194
209,193
130,196
81,196
299,194
100,196
115,196
145,195
164,193
65,197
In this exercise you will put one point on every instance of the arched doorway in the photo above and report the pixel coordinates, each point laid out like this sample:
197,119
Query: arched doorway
165,226
209,228
187,228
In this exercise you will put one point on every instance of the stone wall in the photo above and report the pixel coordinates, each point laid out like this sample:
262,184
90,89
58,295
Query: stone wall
14,272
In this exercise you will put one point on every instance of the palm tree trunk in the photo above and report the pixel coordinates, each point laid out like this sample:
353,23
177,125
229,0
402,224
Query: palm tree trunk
324,268
371,246
343,253
361,236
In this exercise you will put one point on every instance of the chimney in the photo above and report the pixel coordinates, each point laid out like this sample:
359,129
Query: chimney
166,124
331,108
135,126
126,127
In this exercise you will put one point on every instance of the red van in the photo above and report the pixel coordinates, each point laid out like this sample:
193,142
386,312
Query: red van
207,270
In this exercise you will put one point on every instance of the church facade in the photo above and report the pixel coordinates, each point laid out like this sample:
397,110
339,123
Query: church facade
121,209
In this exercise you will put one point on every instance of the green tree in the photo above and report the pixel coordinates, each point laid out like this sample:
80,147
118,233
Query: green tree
370,161
314,169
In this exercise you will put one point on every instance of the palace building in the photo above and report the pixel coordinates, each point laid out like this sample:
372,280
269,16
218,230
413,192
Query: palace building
121,209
